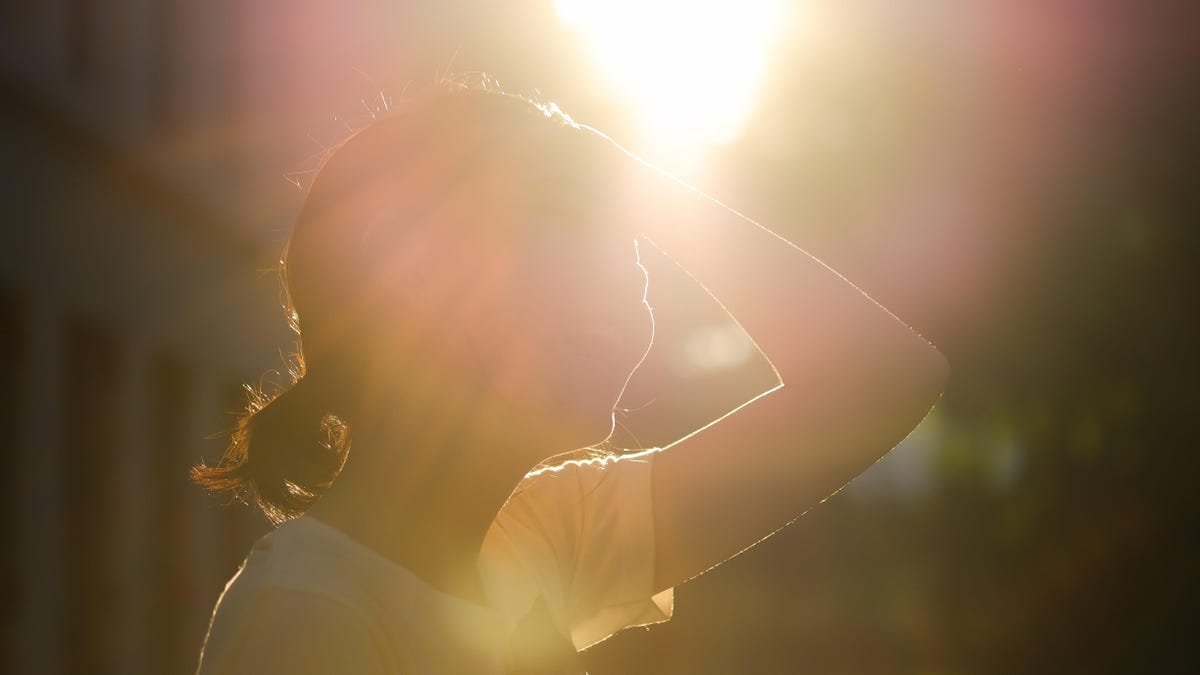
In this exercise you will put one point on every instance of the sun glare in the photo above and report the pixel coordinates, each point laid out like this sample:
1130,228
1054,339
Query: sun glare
692,69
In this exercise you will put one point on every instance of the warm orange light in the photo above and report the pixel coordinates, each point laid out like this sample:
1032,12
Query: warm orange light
691,69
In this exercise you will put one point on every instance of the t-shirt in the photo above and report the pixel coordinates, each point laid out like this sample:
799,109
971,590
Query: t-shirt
575,541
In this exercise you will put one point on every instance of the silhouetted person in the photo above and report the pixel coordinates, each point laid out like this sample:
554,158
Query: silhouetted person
465,278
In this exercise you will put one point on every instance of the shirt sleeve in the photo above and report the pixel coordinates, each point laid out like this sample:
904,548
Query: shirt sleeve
581,536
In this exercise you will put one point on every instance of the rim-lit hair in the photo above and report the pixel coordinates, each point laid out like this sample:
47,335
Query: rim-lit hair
291,440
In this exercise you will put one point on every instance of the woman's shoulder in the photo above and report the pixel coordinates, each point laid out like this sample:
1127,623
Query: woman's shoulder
579,534
298,563
586,468
298,631
553,498
306,554
303,582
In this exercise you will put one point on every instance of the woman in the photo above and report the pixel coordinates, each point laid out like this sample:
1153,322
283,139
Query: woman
466,280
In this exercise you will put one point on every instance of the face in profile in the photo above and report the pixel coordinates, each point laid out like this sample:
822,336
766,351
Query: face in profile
590,323
576,323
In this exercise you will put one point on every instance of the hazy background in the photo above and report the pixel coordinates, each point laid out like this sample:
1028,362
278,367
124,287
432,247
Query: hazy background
1015,179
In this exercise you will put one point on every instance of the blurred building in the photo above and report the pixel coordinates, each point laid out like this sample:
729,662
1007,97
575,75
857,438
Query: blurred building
129,317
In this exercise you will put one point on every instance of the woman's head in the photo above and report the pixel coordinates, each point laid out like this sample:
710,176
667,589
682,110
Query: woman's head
464,243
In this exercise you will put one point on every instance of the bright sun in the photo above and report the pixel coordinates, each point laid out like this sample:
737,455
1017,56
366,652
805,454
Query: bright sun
692,69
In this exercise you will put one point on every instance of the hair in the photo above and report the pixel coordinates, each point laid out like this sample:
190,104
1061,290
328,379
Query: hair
290,442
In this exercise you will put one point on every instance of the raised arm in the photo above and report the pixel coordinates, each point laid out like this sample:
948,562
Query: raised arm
854,383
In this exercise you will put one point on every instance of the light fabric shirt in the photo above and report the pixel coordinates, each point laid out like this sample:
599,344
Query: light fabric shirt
579,536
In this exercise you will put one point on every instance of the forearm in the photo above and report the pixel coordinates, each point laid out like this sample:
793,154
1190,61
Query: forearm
855,381
806,318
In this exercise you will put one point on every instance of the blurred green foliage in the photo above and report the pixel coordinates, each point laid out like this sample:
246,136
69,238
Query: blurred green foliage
1060,534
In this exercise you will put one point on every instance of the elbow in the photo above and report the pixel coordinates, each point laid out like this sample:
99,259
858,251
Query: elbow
909,398
939,371
931,377
912,383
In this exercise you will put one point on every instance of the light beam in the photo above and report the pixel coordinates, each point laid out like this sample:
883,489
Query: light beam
692,69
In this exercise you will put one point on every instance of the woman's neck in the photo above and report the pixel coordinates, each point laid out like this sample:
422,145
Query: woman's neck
423,488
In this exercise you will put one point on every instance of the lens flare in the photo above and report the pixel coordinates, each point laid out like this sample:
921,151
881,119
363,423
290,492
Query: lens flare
692,70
